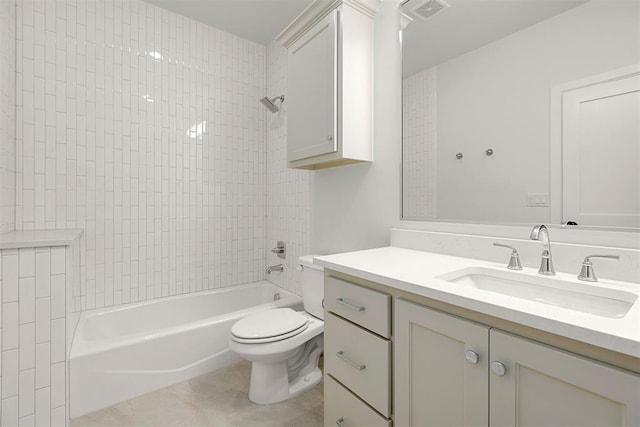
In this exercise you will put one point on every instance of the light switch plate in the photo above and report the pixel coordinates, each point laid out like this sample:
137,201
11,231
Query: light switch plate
538,200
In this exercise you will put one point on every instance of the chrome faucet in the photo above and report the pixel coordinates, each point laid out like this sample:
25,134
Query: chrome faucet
540,232
271,268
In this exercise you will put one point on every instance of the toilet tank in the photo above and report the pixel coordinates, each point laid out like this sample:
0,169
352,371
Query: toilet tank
312,278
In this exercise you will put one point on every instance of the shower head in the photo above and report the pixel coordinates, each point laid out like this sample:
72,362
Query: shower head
270,103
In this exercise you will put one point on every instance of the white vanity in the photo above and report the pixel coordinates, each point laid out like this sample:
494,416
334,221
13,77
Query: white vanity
410,343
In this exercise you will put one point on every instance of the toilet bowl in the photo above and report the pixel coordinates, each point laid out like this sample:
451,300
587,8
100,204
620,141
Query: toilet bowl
284,345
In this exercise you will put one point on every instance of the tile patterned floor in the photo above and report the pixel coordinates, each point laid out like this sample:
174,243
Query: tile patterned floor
215,399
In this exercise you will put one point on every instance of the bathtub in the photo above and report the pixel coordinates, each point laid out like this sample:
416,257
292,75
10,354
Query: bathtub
122,352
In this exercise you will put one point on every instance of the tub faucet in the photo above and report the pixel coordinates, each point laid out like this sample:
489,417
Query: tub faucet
540,232
271,268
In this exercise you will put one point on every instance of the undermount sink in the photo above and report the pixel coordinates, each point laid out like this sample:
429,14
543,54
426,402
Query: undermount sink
586,298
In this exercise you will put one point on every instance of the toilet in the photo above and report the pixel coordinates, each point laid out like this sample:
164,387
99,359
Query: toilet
284,345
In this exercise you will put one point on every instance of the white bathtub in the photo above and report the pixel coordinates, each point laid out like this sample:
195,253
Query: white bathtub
122,352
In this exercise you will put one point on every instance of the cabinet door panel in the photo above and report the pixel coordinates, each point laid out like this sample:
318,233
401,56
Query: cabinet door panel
434,385
311,103
544,386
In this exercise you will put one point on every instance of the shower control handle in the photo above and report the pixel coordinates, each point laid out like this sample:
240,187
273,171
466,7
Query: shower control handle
349,305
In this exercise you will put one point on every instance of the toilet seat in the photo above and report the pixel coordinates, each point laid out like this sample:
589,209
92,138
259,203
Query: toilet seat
269,326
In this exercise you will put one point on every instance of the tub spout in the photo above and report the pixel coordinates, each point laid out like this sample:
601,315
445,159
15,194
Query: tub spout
271,268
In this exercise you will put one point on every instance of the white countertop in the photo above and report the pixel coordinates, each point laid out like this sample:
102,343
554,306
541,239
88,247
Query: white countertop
38,238
415,272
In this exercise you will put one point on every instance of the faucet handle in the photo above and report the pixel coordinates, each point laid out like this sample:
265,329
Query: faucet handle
586,272
514,261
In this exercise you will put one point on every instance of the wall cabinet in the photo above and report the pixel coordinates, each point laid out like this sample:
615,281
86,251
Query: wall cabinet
329,100
453,372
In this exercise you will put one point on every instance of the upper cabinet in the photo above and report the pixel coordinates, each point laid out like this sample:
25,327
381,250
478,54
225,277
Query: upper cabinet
330,84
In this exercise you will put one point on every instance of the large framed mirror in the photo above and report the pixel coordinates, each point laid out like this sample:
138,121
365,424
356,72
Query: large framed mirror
522,111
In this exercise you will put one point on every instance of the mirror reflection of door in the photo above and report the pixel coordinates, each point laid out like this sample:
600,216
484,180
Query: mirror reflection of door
601,153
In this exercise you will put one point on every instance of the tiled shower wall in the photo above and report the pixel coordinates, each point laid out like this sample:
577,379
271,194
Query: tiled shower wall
288,202
143,128
7,114
34,362
419,145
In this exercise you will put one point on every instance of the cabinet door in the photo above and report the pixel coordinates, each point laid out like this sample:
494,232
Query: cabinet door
543,386
312,97
436,382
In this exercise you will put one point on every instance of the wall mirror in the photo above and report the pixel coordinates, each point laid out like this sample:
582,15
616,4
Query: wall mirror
522,111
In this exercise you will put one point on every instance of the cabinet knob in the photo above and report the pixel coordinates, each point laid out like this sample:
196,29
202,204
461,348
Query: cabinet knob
329,138
471,357
340,422
498,368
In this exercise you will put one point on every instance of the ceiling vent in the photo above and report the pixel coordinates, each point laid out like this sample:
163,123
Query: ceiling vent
424,9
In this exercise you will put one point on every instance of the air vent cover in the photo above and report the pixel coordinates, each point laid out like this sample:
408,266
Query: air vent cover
425,9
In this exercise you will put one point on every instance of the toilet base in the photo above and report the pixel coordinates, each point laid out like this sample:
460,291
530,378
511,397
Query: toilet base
270,382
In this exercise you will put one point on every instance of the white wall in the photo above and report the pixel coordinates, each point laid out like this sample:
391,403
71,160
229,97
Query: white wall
354,206
7,114
164,213
288,201
498,97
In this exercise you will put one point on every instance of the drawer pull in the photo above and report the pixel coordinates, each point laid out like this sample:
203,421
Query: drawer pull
342,356
349,305
340,422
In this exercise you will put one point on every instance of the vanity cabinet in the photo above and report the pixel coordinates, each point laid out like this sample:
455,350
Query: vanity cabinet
357,355
449,371
329,99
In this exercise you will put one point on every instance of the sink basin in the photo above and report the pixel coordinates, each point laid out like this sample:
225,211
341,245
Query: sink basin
586,298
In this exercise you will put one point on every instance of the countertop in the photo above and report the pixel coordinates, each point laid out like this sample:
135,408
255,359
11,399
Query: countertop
416,271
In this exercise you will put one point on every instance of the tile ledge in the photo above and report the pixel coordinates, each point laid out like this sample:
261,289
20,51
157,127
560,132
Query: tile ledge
38,238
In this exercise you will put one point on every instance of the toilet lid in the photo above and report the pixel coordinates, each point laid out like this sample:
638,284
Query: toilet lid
269,325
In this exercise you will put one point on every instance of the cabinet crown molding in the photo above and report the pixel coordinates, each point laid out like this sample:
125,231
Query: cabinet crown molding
318,10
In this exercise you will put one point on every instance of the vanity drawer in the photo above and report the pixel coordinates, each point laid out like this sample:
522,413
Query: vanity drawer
360,360
344,408
368,308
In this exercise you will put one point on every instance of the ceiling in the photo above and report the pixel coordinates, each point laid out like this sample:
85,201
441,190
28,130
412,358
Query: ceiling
468,25
465,26
257,20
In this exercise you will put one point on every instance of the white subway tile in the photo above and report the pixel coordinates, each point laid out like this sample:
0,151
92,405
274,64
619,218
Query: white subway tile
26,393
43,320
58,285
10,369
10,411
57,260
43,273
43,407
10,274
58,417
28,421
27,346
58,340
10,325
43,364
58,384
27,299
